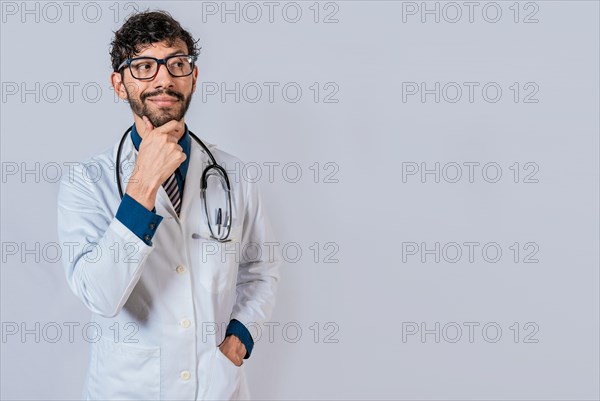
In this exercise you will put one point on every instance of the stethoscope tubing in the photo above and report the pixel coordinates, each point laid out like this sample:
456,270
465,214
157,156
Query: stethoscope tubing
210,155
203,184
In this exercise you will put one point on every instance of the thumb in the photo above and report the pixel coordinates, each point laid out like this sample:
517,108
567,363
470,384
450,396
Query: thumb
148,124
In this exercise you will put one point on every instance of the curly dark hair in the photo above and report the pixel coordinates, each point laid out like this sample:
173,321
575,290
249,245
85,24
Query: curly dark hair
144,28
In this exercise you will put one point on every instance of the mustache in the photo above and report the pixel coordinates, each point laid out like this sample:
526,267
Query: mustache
169,92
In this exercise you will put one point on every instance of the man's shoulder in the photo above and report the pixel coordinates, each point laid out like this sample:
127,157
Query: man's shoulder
222,156
225,157
104,157
90,169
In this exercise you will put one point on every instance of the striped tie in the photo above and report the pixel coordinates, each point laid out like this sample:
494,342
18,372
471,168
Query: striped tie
172,190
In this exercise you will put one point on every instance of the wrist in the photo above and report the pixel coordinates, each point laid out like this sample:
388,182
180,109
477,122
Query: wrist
143,191
241,333
238,344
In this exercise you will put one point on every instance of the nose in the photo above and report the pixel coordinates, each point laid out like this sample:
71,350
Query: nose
163,78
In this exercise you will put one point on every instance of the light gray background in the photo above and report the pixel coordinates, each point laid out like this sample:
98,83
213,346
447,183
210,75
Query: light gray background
369,213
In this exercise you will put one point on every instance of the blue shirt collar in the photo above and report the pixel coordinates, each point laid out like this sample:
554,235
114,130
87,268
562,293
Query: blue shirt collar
184,142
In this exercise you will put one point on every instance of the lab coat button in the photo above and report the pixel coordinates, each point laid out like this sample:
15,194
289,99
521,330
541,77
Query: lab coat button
146,238
180,269
185,375
185,323
152,226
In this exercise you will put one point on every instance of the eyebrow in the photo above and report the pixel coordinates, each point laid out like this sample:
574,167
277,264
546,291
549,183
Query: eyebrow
176,52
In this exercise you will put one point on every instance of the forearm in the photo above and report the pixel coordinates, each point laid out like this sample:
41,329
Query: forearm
103,274
106,254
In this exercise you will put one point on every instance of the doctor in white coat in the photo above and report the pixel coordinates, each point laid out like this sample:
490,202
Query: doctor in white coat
173,306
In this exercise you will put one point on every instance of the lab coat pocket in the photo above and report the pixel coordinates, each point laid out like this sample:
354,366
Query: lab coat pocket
124,371
220,261
225,378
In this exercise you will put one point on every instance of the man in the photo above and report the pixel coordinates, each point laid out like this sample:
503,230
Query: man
171,302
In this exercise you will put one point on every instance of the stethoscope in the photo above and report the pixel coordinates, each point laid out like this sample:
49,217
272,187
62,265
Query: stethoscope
222,221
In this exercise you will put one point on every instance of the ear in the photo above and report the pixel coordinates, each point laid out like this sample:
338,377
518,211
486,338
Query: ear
194,78
118,85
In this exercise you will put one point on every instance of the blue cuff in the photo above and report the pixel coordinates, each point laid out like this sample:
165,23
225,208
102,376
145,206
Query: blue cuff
138,219
238,329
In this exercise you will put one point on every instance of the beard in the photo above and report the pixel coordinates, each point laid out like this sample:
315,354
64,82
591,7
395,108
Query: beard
163,114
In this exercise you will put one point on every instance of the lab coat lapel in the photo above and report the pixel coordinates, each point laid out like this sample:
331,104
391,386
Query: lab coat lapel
199,160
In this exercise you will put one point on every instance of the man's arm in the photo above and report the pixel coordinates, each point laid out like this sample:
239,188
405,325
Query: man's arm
110,252
105,257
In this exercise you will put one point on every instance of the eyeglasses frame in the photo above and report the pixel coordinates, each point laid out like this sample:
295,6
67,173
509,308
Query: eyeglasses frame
159,62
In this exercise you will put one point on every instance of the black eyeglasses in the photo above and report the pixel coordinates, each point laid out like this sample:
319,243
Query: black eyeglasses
146,68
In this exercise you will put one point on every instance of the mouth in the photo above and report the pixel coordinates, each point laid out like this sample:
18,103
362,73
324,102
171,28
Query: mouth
163,101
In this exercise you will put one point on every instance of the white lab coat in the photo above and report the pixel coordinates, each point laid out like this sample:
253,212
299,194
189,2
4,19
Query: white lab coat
160,311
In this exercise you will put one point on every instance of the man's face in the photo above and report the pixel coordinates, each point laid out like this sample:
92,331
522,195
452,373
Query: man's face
163,98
